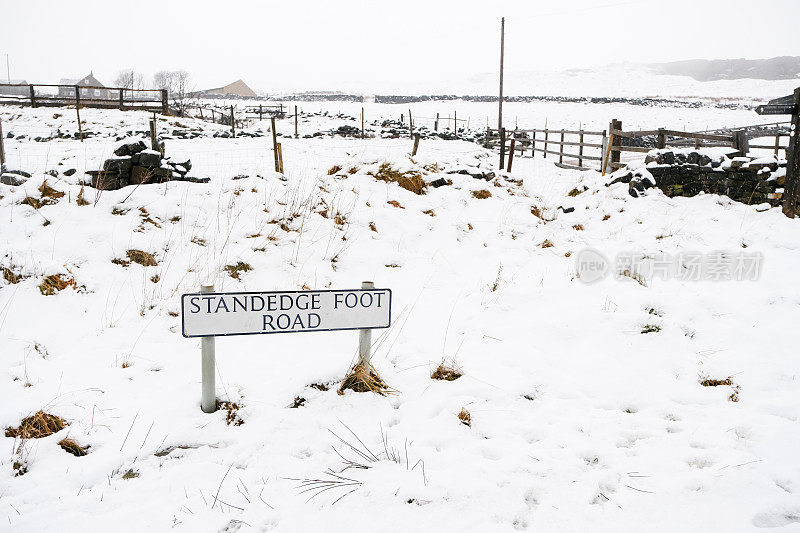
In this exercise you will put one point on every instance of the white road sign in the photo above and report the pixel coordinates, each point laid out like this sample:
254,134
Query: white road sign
250,313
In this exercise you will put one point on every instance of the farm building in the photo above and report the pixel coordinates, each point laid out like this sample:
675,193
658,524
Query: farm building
20,88
237,88
86,92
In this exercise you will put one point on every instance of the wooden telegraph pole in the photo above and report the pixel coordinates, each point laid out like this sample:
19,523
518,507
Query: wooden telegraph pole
500,101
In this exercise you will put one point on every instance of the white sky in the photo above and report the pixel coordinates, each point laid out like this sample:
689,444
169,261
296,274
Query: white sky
346,44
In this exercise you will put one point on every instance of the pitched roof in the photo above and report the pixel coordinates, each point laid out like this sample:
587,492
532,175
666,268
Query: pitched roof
237,88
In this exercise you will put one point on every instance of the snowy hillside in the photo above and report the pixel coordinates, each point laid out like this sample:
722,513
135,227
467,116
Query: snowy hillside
637,403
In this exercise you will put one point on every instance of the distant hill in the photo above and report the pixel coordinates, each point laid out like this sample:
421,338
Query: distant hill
776,68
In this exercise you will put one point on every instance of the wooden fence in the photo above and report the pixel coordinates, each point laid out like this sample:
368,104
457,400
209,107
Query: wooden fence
48,95
583,149
260,111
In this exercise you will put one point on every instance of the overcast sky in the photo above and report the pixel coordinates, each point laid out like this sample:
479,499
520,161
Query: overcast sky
315,45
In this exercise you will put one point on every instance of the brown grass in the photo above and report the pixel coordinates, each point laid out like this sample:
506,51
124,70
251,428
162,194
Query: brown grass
465,417
578,227
80,200
232,417
395,203
481,194
409,180
537,212
141,258
10,276
56,283
446,372
635,276
373,227
716,382
235,270
364,379
73,447
547,243
50,193
333,170
606,217
37,426
31,201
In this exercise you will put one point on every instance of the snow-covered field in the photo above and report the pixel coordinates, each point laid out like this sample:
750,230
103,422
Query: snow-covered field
586,404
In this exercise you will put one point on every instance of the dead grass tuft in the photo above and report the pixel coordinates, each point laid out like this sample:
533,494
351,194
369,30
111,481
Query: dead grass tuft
70,446
537,212
409,180
446,372
11,277
235,270
232,417
465,417
80,200
299,401
635,276
547,243
141,258
365,379
373,227
56,283
481,194
578,227
31,201
716,382
395,203
37,426
429,212
49,195
334,169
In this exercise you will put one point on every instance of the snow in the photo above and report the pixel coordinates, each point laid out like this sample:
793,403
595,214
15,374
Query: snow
579,420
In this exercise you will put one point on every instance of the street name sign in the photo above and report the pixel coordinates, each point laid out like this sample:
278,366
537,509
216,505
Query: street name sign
211,314
777,109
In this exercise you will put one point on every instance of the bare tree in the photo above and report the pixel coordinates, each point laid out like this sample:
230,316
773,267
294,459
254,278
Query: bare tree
178,83
129,79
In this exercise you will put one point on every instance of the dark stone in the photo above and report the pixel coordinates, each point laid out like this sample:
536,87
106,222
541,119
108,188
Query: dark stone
149,159
106,181
666,158
192,179
20,172
240,177
8,178
121,165
438,183
141,174
70,172
696,158
130,148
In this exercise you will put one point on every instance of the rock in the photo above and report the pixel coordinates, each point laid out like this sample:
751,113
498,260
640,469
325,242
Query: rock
438,183
106,181
666,158
120,164
738,162
621,176
70,172
19,172
130,148
149,158
141,174
192,179
696,158
8,178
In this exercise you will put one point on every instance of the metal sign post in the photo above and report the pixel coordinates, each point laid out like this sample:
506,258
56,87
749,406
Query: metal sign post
207,314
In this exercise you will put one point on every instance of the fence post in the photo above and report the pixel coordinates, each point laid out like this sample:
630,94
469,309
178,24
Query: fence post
2,147
616,141
416,145
792,162
511,152
455,123
740,142
233,124
533,143
121,100
275,144
546,136
365,336
362,122
164,102
561,148
777,143
662,139
77,110
280,157
208,397
295,122
260,113
33,96
410,125
580,148
153,140
436,123
502,148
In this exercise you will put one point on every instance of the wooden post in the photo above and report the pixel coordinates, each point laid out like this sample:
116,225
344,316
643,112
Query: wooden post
275,144
201,112
533,143
436,123
546,135
280,158
2,147
455,122
77,110
153,140
213,116
792,162
662,139
614,141
362,122
416,145
777,143
260,113
500,99
164,102
402,120
561,148
580,148
233,124
511,153
410,125
121,99
33,96
740,142
502,148
295,122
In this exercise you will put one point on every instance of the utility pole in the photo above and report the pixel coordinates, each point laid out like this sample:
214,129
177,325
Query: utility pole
500,102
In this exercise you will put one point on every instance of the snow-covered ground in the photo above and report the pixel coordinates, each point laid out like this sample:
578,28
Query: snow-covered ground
586,404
